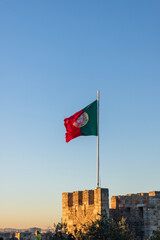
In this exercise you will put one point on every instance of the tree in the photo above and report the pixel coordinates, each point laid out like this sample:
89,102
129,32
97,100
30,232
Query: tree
104,229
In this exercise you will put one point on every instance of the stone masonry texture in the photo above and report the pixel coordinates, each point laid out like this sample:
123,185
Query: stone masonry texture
141,210
81,207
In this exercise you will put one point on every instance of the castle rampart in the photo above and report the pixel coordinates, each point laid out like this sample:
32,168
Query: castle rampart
142,211
80,207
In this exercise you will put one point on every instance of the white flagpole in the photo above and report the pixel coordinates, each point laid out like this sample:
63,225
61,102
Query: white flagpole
98,139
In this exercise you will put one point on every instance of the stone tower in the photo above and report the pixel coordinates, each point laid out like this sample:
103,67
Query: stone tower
81,207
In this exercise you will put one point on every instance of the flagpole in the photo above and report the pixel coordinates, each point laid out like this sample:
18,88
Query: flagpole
98,139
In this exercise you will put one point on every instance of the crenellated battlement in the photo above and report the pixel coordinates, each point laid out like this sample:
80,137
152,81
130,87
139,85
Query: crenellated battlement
78,198
131,200
83,206
142,211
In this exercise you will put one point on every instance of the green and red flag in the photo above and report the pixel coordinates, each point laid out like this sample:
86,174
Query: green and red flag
82,123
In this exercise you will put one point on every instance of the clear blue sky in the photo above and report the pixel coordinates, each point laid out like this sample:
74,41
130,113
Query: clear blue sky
54,56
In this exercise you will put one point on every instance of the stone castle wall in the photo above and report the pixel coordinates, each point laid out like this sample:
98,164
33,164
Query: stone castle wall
141,210
81,207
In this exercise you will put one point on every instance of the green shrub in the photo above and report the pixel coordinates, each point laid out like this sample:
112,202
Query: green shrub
104,229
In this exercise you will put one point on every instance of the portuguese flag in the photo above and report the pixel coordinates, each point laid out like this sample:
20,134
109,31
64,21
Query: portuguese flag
82,123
